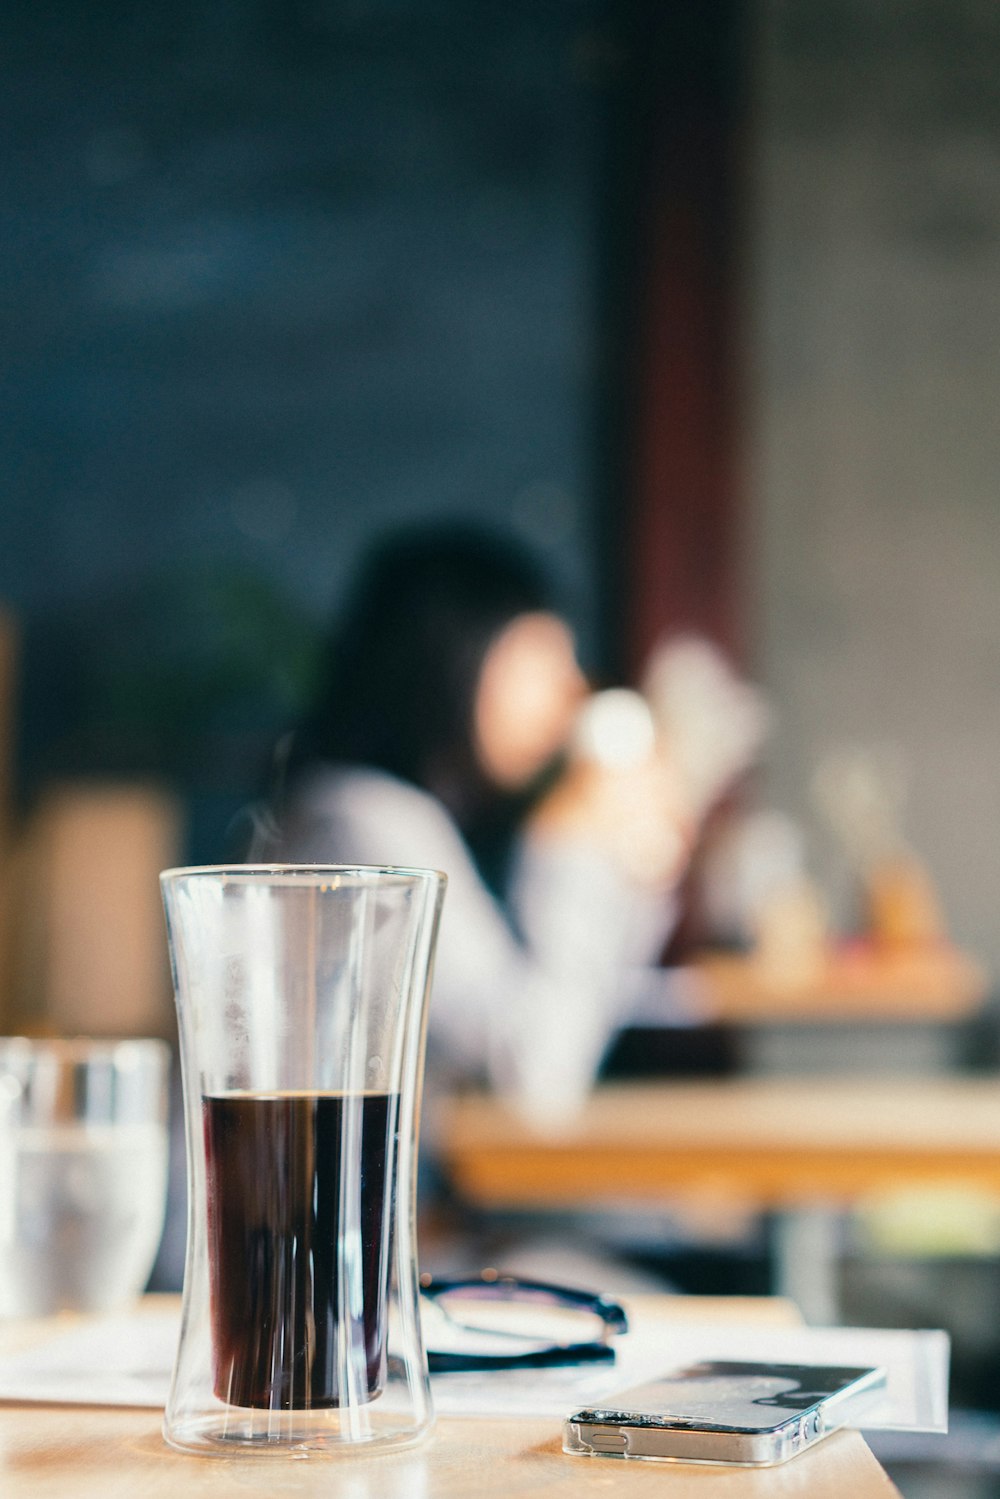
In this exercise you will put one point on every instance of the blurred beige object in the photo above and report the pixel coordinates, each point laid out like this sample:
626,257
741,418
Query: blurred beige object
91,954
615,727
713,722
747,858
860,792
791,934
903,907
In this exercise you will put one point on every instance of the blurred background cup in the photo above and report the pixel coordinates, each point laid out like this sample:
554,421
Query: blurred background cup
83,1171
301,998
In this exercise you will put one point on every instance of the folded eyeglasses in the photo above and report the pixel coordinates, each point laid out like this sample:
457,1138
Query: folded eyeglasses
496,1321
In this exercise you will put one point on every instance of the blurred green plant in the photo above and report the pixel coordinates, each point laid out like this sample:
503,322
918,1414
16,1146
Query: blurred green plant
189,674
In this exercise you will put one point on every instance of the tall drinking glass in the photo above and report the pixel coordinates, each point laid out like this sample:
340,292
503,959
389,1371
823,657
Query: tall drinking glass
301,998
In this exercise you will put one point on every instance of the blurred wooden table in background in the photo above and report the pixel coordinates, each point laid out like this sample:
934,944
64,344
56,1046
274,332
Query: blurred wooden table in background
806,1147
855,983
773,1141
862,1010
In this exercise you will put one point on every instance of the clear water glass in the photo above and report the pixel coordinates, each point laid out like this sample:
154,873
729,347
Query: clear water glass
83,1171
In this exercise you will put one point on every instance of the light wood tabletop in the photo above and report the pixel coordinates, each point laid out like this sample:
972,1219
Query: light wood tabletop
771,1141
61,1452
855,985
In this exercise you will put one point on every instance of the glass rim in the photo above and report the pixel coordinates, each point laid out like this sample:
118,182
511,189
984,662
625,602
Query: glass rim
306,874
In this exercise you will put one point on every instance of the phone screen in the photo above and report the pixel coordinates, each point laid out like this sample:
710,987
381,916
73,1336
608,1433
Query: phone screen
728,1395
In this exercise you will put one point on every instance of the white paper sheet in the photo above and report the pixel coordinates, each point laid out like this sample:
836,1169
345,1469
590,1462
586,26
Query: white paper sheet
120,1360
916,1365
127,1360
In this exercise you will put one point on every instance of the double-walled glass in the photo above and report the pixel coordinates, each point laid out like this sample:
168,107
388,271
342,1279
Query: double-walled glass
301,998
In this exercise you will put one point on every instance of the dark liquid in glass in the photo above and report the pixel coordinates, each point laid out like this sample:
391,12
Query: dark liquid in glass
283,1198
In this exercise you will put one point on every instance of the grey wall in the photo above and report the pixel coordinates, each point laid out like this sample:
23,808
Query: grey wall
876,425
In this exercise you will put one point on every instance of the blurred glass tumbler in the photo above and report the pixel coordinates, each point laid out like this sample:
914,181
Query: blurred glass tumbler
83,1172
301,999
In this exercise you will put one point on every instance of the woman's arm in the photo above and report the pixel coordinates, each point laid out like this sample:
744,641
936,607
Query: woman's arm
531,1013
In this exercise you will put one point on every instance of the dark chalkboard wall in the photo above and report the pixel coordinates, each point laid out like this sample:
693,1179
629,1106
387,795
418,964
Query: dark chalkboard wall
276,275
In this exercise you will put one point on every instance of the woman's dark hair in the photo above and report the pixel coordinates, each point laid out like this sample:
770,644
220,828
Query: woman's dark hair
397,684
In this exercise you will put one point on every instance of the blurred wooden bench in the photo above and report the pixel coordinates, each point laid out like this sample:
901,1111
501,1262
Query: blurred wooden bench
82,945
86,944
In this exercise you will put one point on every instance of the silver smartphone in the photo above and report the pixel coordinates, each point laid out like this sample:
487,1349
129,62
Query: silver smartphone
754,1414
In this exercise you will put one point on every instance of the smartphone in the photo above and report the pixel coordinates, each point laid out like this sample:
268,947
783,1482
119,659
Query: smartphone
754,1414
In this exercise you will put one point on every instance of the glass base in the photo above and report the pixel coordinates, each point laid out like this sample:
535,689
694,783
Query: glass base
297,1434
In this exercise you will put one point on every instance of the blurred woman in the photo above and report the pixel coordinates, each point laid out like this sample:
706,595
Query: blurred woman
440,736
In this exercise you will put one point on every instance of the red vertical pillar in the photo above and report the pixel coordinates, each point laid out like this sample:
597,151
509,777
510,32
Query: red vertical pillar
675,509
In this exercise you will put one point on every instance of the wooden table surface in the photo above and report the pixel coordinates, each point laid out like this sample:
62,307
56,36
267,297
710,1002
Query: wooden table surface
772,1141
104,1453
857,985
